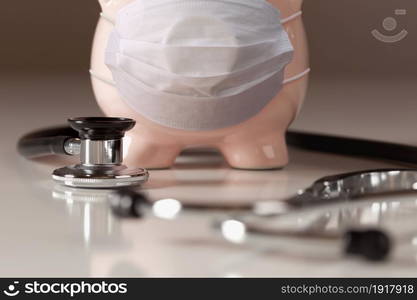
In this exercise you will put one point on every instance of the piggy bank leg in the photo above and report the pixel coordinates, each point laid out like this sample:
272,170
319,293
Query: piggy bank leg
147,153
261,153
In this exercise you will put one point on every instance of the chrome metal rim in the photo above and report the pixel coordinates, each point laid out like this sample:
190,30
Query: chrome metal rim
100,177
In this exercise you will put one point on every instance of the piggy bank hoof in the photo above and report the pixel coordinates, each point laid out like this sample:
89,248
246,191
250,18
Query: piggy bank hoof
151,156
261,154
249,154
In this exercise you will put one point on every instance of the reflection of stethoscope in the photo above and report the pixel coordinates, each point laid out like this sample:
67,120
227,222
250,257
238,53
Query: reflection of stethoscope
99,144
369,242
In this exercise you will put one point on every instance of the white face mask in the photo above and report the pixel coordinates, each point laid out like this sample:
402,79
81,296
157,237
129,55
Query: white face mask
198,65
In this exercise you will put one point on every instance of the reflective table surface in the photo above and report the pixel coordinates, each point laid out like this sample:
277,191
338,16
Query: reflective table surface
48,230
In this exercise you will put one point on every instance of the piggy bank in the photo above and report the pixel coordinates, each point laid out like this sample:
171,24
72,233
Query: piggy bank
257,143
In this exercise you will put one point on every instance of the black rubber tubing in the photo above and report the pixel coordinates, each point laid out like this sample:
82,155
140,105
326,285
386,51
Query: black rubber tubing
45,142
51,141
353,147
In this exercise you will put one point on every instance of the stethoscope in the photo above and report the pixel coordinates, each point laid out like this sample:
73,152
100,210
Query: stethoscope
98,142
369,242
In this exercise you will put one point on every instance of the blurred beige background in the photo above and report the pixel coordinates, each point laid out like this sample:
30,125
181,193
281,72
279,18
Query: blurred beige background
57,34
359,86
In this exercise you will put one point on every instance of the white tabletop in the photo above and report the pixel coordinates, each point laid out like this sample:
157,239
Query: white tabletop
46,232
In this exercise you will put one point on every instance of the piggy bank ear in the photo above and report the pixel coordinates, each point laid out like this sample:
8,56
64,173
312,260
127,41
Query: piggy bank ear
111,7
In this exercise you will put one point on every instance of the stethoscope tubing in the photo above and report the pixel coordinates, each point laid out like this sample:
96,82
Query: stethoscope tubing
51,141
353,146
45,142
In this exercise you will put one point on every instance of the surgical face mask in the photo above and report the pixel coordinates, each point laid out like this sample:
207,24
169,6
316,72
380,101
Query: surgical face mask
198,65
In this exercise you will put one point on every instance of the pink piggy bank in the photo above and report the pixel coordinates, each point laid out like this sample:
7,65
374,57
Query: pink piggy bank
256,143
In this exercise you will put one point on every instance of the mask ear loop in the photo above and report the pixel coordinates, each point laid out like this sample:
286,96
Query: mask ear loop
93,74
292,17
102,78
106,17
296,77
305,72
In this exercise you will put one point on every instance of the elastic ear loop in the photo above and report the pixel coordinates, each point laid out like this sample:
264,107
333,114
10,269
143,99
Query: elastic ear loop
283,21
101,78
292,17
296,77
306,71
106,17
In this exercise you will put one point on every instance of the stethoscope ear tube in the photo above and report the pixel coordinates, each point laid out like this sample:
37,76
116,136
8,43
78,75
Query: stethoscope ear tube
45,142
352,146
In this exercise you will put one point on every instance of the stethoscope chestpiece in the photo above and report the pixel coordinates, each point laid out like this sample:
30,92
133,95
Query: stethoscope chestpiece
100,147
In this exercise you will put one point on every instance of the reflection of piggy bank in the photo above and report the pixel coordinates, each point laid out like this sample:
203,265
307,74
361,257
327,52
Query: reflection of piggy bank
256,143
